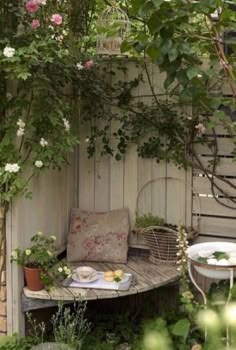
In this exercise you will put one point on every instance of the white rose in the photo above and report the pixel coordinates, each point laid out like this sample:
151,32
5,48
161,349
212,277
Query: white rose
65,268
39,233
54,238
9,52
20,123
68,272
38,164
79,66
12,168
14,254
43,142
27,252
20,132
60,269
66,124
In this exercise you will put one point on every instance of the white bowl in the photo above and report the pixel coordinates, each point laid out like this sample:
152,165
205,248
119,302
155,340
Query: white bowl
212,271
85,273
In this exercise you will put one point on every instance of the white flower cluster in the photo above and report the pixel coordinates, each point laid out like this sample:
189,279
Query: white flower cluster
9,52
21,129
12,168
38,164
43,142
66,124
65,269
182,245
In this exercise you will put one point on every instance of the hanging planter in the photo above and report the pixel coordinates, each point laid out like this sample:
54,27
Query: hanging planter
112,26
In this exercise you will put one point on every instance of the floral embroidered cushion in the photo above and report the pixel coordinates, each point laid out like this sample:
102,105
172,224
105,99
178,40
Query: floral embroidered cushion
100,237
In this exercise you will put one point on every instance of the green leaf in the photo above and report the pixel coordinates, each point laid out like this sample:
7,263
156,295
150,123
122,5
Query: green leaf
221,255
126,46
145,9
219,114
173,53
136,4
192,72
181,328
157,3
153,52
169,80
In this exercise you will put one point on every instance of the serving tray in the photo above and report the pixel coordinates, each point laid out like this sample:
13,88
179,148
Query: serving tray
100,283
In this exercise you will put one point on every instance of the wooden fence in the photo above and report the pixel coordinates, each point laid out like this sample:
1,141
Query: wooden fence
102,184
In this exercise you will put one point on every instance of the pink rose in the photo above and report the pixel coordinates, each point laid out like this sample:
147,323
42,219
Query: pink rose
89,64
32,6
56,19
35,24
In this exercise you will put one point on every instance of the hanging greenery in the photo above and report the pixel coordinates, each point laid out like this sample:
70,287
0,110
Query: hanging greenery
192,42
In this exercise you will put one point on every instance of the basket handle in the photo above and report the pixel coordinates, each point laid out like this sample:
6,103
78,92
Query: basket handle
170,178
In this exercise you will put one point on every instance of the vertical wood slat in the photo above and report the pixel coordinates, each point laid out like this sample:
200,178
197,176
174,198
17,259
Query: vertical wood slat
86,175
102,165
175,195
131,166
116,167
15,319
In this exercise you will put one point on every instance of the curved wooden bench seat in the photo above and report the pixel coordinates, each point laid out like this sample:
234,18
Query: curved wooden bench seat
147,276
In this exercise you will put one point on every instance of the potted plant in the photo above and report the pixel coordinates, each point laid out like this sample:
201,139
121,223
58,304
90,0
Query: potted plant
36,260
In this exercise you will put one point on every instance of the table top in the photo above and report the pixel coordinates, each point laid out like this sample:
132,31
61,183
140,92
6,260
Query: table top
147,276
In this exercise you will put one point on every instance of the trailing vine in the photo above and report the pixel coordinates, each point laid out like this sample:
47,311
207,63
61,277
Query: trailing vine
185,40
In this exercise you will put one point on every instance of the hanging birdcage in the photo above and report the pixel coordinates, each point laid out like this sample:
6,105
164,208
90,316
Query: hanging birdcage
113,26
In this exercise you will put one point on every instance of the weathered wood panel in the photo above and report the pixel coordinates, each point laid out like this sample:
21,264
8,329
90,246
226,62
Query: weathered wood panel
107,184
218,227
54,194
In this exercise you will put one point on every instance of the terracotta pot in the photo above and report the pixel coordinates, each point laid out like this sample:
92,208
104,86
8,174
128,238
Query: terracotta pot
32,277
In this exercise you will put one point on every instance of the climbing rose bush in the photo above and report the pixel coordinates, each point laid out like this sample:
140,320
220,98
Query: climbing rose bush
39,62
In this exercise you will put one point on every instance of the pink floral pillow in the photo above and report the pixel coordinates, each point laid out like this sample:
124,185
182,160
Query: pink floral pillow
100,237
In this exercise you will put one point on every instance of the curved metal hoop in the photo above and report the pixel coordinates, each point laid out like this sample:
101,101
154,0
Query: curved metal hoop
189,186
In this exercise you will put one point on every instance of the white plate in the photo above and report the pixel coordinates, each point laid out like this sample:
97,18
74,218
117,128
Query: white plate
76,279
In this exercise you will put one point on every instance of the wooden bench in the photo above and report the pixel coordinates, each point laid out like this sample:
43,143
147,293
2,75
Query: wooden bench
147,276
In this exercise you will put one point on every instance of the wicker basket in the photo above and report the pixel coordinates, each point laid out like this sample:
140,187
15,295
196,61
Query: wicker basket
161,240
